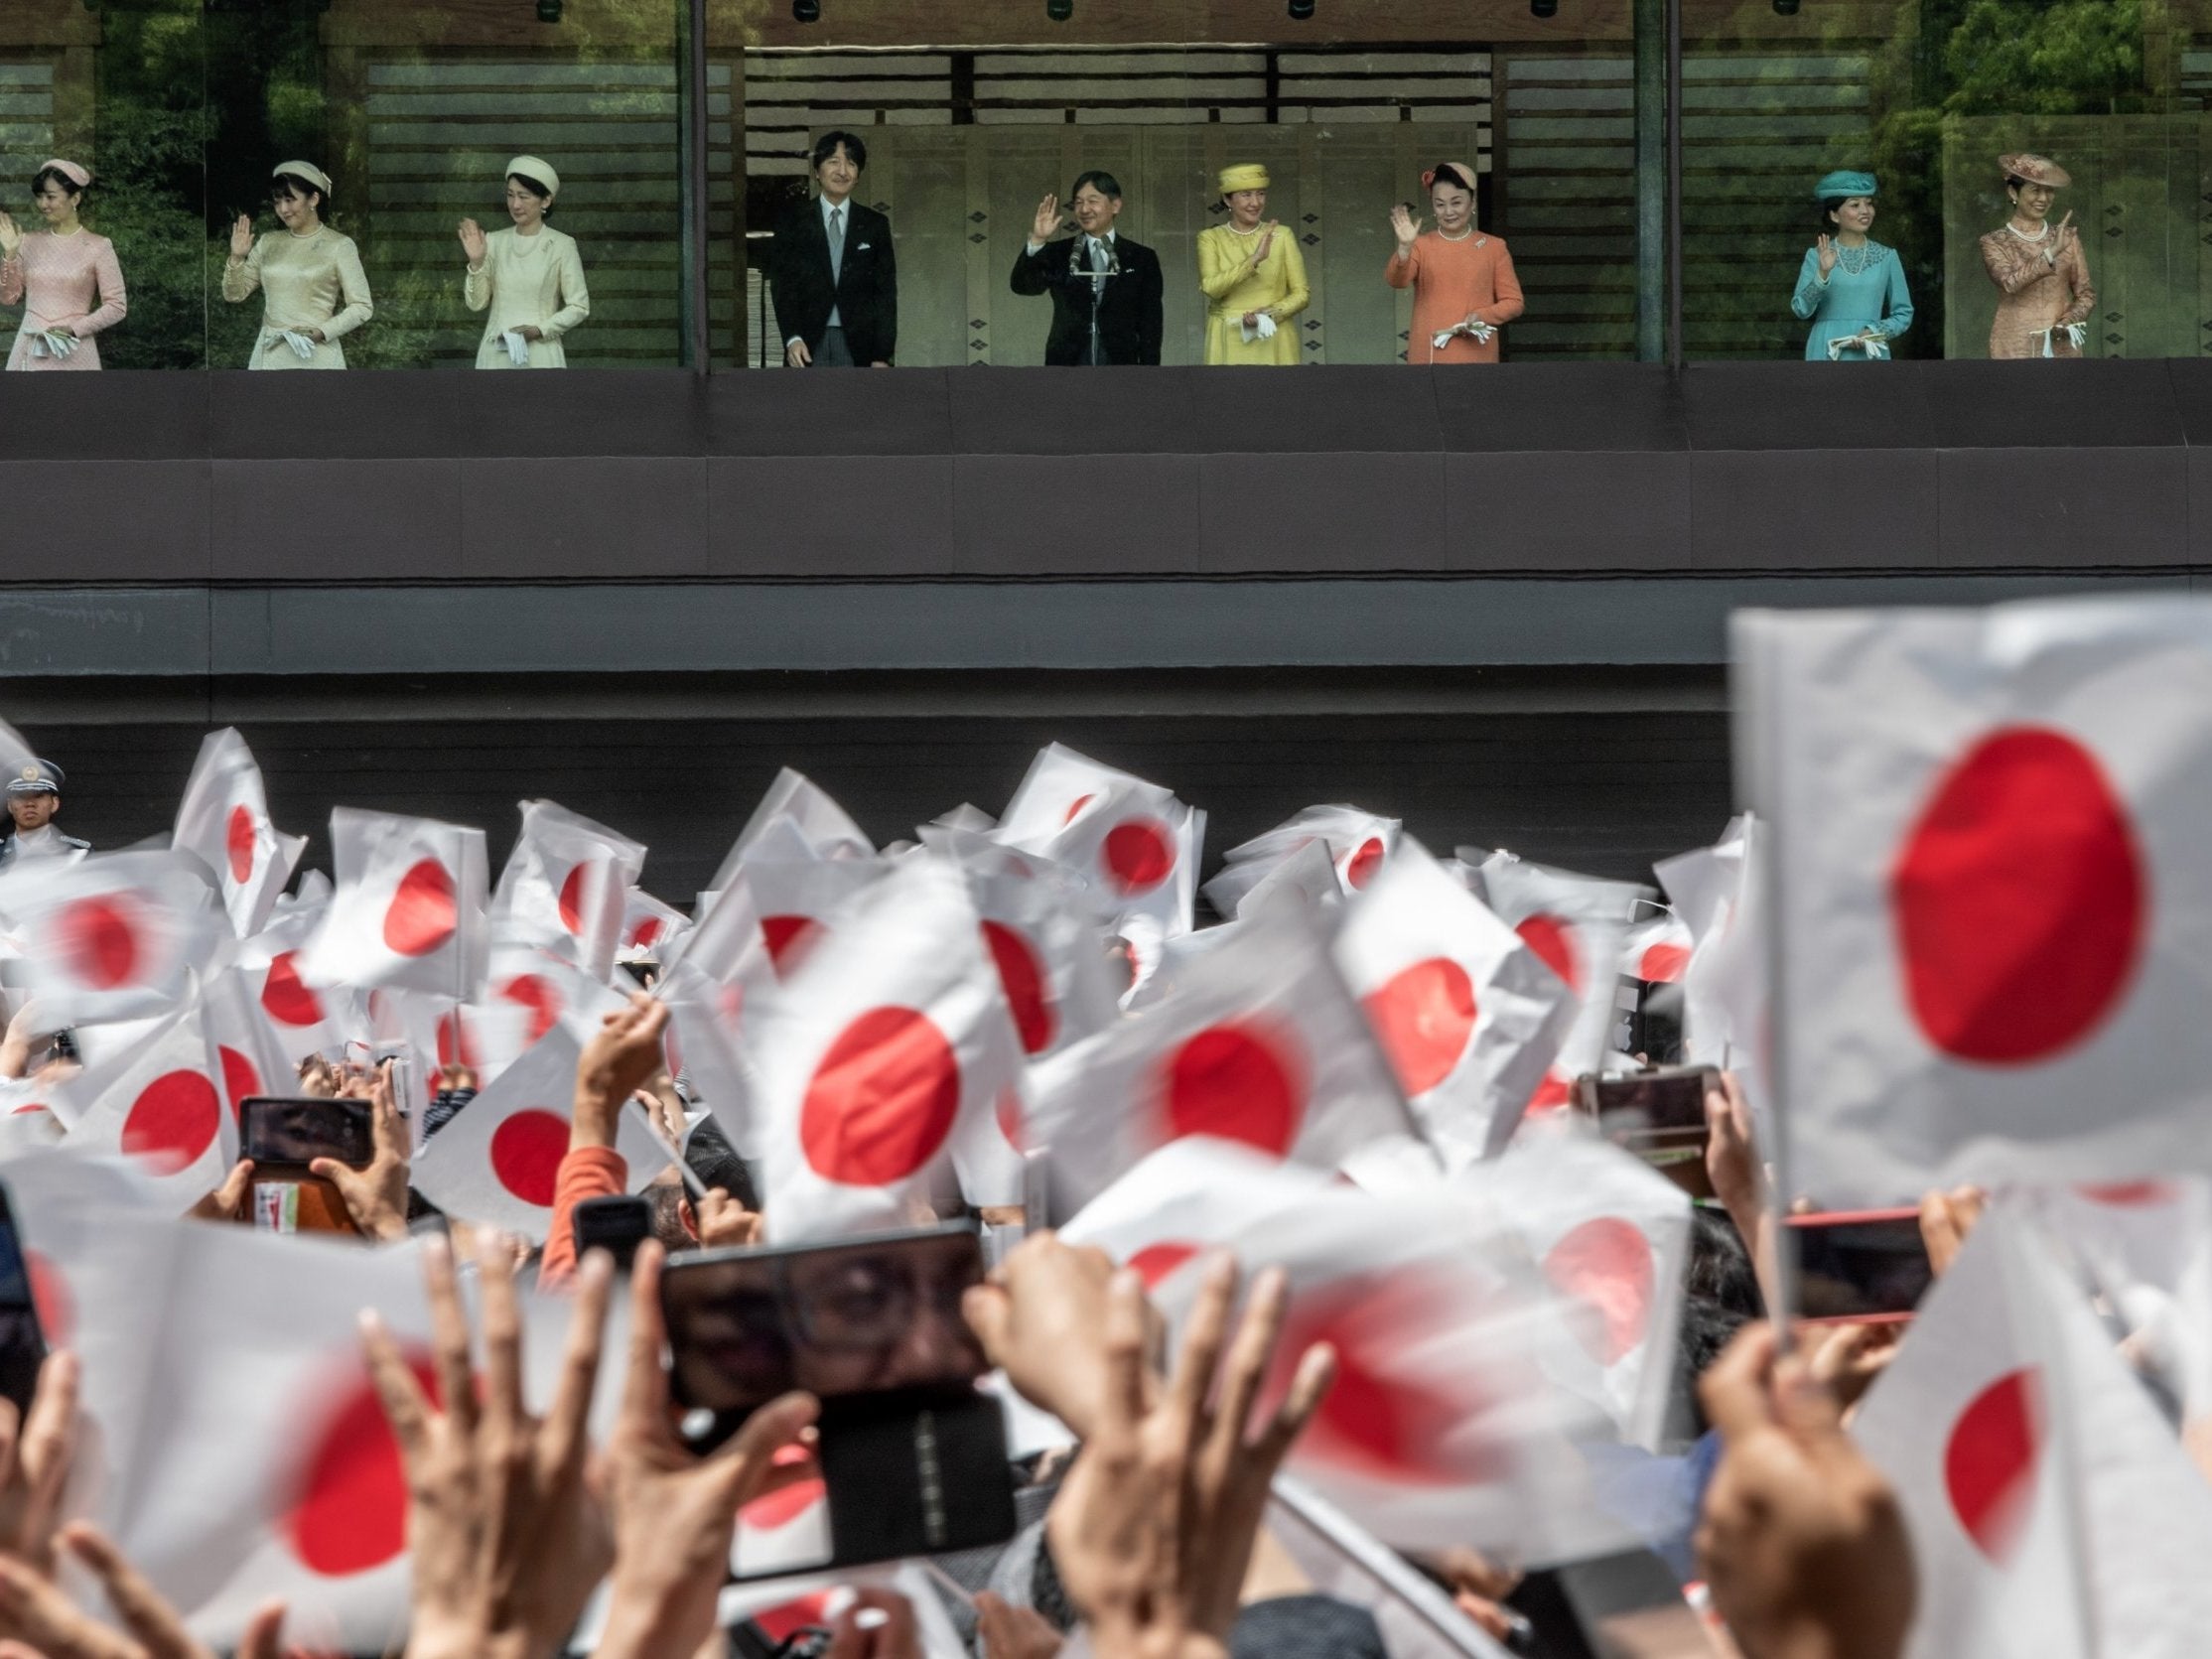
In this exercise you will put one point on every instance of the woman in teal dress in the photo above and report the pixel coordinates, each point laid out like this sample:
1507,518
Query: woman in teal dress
1850,288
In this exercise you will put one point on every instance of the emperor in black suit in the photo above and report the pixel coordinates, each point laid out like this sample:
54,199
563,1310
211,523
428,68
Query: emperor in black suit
1110,317
835,309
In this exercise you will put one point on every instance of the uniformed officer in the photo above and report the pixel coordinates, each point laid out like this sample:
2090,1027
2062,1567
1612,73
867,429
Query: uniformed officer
33,797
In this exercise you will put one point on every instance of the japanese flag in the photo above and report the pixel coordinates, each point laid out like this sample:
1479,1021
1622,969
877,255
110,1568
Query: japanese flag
887,1050
1576,925
1185,1198
1994,906
2052,1509
525,995
1050,954
795,898
111,936
1305,879
566,887
306,1020
1657,952
1470,1016
162,1103
250,1058
1354,843
806,810
1261,1043
1611,1236
1134,844
408,911
223,821
703,1049
498,1163
1719,892
650,929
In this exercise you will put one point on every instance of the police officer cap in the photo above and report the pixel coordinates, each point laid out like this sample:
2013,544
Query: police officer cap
34,777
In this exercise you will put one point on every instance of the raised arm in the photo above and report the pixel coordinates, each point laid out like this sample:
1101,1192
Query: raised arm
1811,290
576,299
352,281
476,249
1221,267
241,273
2011,266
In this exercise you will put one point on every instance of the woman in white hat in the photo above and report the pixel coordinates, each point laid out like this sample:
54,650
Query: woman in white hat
58,274
2044,295
314,291
1253,275
529,274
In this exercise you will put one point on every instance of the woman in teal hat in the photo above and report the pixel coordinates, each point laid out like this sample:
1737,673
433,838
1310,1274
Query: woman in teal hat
1850,288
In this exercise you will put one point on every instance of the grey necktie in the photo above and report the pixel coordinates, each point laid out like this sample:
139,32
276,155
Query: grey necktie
837,243
1097,263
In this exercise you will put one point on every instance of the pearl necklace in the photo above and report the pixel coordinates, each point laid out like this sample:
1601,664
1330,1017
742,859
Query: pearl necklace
1461,237
2025,236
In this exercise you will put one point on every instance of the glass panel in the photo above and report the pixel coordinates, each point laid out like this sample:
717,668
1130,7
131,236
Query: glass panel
1927,96
970,115
413,110
118,93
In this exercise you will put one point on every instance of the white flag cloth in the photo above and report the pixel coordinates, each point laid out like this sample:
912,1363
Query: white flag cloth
498,1162
650,929
2051,1508
408,910
162,1103
307,1020
1133,842
1993,908
111,936
1261,1043
1576,925
566,887
1050,954
527,992
794,899
1354,844
806,809
729,946
249,1056
884,1052
1185,1198
1469,1014
703,1049
223,821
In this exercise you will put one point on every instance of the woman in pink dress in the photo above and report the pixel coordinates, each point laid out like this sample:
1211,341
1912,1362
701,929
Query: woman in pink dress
58,274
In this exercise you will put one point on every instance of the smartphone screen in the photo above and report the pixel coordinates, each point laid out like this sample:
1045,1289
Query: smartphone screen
280,1132
1861,1266
22,1343
868,1316
617,1225
1653,1102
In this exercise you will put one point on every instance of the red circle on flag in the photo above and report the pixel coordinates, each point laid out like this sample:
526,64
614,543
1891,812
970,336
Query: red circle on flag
1555,1091
285,999
1360,868
1989,1462
1553,940
526,1153
1155,1262
1605,1263
2129,1195
1139,854
781,1508
2019,901
646,933
785,1620
174,1120
238,842
1423,1015
540,996
1027,993
1663,963
1011,1122
572,897
882,1099
98,940
1237,1082
240,1078
789,939
351,1512
422,915
52,1297
456,1044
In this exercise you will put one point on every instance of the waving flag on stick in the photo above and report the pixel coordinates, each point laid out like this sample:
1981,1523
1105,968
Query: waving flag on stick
408,910
223,821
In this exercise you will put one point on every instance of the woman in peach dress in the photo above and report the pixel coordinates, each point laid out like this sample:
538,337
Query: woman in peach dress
64,277
1462,281
2046,298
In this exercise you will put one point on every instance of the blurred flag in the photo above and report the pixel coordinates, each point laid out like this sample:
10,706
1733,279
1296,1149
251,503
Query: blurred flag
408,910
1576,925
650,929
223,821
162,1104
307,1020
111,936
566,887
1050,954
1355,845
806,810
1133,842
249,1056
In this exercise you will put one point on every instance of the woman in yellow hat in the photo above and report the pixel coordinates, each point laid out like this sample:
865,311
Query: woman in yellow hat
313,290
527,274
2045,297
1254,278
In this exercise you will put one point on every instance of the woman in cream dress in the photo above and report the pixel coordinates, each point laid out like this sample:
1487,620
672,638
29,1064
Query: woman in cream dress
1254,278
64,277
529,274
314,291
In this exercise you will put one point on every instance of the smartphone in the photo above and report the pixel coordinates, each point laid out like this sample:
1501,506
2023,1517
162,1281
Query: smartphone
283,1136
617,1225
21,1343
1859,1267
1645,1105
912,1456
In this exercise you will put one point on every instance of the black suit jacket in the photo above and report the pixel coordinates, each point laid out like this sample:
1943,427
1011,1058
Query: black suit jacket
864,294
1129,315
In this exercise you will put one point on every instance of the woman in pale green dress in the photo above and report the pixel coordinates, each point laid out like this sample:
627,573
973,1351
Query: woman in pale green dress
314,292
528,275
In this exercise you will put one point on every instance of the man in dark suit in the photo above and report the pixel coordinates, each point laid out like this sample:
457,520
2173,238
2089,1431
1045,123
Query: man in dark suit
1105,288
831,274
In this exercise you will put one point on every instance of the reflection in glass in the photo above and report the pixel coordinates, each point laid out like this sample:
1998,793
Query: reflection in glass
313,290
1253,277
66,278
528,275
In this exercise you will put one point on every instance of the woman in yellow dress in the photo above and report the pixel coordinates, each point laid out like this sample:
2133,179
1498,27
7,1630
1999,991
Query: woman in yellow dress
1254,278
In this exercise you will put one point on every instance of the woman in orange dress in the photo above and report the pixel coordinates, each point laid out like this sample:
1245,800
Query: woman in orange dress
1462,281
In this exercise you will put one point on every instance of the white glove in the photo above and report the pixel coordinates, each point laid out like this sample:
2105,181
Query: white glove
302,347
518,348
57,343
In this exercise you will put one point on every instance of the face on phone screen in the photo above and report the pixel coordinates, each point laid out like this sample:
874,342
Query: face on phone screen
845,1318
1651,1102
282,1132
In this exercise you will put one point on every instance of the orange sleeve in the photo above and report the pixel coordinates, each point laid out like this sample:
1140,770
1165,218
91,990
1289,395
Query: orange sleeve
1403,273
1507,301
586,1173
